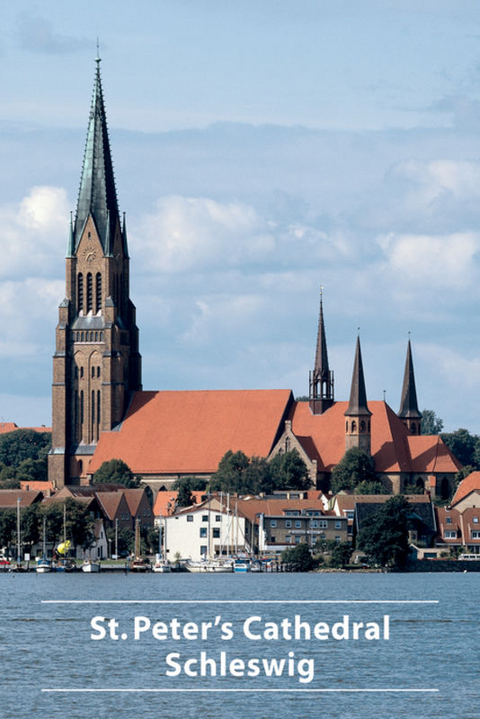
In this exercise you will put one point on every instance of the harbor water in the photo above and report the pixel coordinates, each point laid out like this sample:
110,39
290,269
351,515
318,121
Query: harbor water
357,646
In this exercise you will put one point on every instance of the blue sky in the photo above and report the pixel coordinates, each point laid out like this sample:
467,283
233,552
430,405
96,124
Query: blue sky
261,150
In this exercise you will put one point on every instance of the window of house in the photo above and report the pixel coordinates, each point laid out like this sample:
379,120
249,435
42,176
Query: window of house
475,520
314,524
216,533
204,517
288,523
338,539
298,539
273,522
272,539
298,523
475,534
338,524
323,524
450,534
218,518
449,520
203,531
203,550
190,518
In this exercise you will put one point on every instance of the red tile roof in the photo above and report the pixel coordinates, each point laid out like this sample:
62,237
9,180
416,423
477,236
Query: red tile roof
164,504
190,431
393,447
467,485
8,497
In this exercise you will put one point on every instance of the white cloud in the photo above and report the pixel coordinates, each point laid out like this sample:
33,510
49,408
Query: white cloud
33,235
194,233
432,180
432,261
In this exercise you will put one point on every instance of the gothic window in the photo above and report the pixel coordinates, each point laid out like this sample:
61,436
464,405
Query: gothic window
354,426
81,407
362,426
93,372
98,371
89,292
98,408
93,410
99,293
80,291
81,371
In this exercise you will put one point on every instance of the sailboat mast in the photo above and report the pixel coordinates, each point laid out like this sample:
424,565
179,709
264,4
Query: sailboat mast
19,558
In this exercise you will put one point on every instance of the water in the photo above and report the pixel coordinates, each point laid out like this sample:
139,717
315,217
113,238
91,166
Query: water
49,646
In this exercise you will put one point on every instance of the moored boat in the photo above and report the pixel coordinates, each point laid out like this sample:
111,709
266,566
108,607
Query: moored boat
214,566
90,566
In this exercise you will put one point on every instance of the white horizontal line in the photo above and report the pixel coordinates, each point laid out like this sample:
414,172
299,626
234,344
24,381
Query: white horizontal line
239,601
262,690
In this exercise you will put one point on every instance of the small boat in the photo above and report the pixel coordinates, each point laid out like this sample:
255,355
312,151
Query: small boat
138,564
161,565
44,565
213,566
65,565
241,566
90,566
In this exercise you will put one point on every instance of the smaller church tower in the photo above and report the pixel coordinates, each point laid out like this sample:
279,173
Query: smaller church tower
409,412
357,426
321,385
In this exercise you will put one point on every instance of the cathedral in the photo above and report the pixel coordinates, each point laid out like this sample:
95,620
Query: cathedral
100,412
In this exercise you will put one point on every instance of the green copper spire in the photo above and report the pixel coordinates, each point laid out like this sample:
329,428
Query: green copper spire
97,195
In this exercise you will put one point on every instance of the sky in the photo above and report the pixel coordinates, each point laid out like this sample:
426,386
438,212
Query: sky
261,151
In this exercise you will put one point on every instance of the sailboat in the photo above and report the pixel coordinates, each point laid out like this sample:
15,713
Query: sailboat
90,566
18,567
66,564
161,565
44,565
209,564
138,564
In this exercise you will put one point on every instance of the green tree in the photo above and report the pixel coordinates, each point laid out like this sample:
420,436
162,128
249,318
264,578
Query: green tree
289,471
370,487
8,529
78,522
355,467
462,444
341,553
298,558
115,471
385,539
194,484
430,423
15,447
230,475
184,496
125,540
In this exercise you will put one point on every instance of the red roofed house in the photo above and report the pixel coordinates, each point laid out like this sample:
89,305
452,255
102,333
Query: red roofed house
100,411
468,493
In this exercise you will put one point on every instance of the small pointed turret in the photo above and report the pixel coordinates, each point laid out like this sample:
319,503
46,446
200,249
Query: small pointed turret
321,383
358,415
409,411
97,196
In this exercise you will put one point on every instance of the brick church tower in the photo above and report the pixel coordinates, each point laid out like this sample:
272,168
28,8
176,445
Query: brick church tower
96,365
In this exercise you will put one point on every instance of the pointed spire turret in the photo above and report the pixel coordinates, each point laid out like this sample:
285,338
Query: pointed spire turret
409,411
358,415
97,195
321,383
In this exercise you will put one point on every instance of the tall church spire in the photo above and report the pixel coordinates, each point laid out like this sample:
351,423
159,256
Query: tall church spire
358,415
409,411
96,365
97,195
321,384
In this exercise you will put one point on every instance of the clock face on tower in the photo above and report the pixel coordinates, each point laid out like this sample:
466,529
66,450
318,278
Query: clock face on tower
89,254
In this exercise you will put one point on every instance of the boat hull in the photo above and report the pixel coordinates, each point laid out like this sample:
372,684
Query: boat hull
91,567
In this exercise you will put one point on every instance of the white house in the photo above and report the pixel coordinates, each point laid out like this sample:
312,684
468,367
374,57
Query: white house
206,530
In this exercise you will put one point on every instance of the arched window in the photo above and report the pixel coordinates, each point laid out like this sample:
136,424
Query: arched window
362,426
98,371
81,371
89,292
80,291
98,304
93,372
81,410
99,414
354,426
93,412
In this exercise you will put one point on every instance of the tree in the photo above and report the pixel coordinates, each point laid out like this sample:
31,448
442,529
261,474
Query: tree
115,471
462,444
355,467
184,496
15,447
370,487
194,484
385,539
430,423
289,471
229,476
125,540
298,558
341,553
